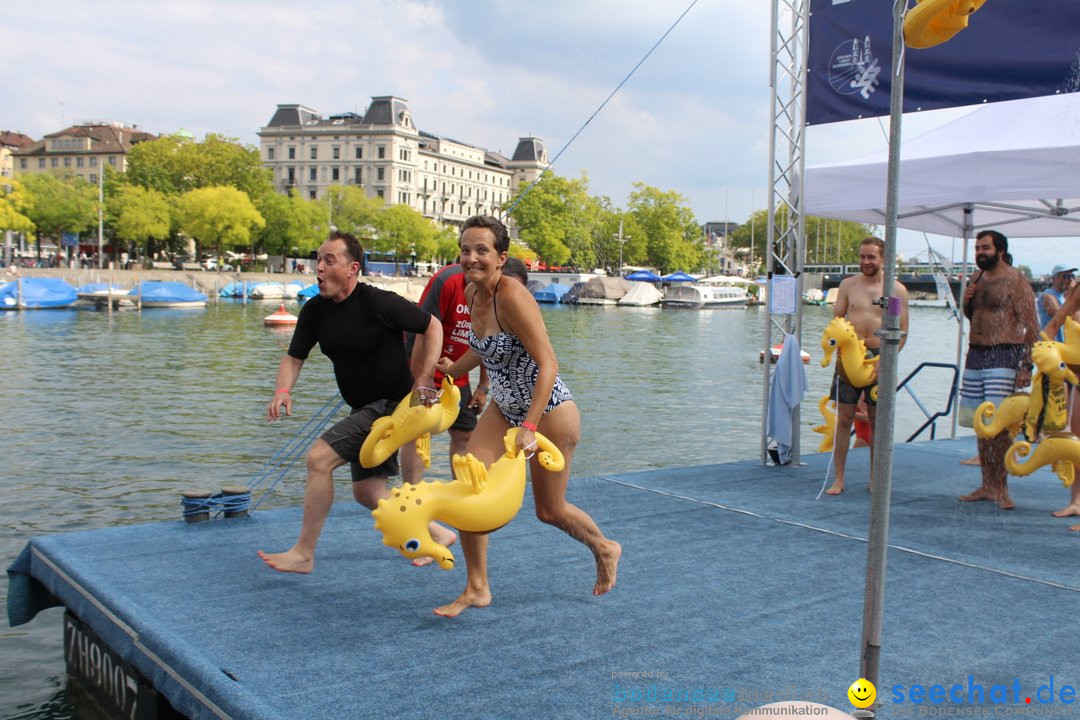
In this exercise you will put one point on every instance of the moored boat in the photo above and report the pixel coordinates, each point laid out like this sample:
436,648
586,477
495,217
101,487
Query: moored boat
37,293
167,294
703,297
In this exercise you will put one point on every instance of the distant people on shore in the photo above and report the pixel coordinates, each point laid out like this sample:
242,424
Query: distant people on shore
359,327
1004,326
508,336
855,302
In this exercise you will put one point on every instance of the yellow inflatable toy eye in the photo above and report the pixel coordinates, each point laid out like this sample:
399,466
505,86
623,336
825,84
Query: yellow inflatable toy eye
480,499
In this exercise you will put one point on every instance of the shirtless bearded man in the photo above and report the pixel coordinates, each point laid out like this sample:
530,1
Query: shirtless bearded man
1000,304
855,301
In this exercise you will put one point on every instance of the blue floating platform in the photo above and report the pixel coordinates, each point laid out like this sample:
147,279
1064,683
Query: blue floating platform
737,587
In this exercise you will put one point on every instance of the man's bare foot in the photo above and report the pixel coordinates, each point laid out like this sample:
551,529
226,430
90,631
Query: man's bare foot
1075,528
444,537
469,598
980,494
607,566
292,561
1068,510
836,489
1005,502
974,460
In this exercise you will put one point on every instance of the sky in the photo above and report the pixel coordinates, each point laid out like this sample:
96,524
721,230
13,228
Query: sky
694,117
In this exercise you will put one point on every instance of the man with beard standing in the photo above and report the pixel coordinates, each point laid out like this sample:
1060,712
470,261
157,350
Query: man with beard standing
856,300
1000,304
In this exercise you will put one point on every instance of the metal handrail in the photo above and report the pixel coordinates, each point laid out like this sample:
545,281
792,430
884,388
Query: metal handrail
931,419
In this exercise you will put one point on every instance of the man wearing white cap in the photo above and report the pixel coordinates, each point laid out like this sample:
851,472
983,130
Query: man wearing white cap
1050,300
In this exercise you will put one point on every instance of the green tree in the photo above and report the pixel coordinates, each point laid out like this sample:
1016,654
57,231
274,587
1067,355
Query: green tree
13,204
174,165
555,220
609,251
294,225
673,239
222,217
827,241
351,210
404,232
446,245
59,204
139,216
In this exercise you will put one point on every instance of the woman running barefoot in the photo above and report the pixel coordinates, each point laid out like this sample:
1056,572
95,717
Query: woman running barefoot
508,335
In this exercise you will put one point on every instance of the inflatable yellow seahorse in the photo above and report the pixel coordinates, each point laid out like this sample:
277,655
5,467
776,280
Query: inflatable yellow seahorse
991,421
1061,450
1070,349
480,499
1047,409
839,336
932,22
411,421
829,428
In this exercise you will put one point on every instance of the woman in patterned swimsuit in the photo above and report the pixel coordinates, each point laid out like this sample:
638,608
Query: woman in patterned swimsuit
509,337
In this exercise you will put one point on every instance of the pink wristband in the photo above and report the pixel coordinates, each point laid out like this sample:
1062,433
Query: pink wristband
283,390
528,425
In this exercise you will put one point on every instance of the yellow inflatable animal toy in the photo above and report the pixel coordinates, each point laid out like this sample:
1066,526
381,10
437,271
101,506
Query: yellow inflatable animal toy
411,421
1070,350
839,337
480,499
991,421
1047,409
828,411
933,22
1061,450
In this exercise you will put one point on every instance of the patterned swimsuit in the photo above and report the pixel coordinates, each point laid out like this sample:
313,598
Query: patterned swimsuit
512,373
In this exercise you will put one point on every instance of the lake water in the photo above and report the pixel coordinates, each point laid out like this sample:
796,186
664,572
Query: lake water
108,417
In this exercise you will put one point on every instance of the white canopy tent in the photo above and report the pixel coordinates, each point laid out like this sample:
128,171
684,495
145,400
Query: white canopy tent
1015,166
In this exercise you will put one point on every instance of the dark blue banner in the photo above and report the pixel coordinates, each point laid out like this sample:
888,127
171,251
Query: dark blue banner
1011,49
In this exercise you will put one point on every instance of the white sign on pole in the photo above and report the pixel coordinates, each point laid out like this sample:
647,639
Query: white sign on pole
783,295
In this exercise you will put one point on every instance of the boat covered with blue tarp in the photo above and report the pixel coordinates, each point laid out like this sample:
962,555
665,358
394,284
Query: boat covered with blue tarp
551,293
37,293
168,294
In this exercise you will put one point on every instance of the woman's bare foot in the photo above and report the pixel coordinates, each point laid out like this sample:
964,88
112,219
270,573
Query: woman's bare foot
443,536
470,598
607,567
974,460
291,560
1068,510
836,489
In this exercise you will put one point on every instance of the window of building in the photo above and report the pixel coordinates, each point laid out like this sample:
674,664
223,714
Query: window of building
314,152
93,178
79,162
379,193
67,162
334,174
270,153
380,174
312,175
381,152
292,176
335,152
311,194
292,153
93,162
41,162
22,163
359,153
112,160
359,176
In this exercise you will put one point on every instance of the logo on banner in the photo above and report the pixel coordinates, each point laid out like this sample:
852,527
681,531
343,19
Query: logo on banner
854,69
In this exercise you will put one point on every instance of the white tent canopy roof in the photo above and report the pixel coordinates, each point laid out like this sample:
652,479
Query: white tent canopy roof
1016,163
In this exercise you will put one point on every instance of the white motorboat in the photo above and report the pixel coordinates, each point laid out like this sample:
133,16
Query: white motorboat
704,297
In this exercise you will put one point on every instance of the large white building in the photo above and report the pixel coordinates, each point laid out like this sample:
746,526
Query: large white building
385,154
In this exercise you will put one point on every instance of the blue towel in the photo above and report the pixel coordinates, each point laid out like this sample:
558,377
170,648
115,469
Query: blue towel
787,391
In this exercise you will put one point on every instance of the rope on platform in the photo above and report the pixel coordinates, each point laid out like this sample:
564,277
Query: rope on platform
295,448
222,502
848,536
